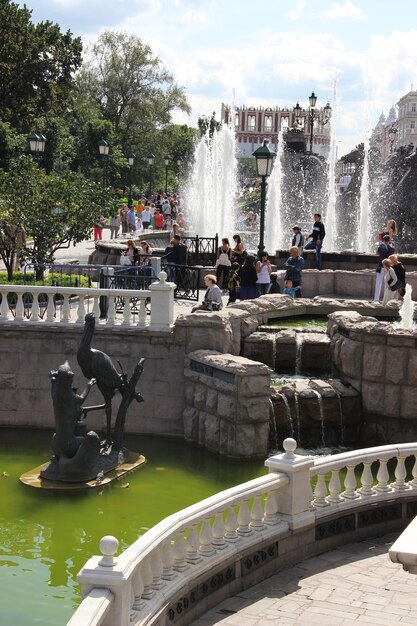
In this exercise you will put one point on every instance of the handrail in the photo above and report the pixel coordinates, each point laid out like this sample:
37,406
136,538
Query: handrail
341,460
93,608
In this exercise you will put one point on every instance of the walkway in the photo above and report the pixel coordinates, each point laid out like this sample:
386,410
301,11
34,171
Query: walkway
355,584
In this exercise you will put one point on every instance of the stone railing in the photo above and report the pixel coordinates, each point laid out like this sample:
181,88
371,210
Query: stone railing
25,304
197,557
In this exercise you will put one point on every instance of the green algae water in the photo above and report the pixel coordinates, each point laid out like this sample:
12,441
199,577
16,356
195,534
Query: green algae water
45,538
307,322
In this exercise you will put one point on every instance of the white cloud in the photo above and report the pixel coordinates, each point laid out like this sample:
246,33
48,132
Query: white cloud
297,11
344,10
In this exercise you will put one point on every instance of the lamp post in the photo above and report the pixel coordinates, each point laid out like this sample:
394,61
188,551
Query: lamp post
327,112
392,134
104,149
167,160
131,160
297,113
264,160
151,159
37,146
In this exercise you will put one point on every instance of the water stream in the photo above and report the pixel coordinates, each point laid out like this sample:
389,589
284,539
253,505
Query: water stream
407,310
330,219
275,237
364,226
321,412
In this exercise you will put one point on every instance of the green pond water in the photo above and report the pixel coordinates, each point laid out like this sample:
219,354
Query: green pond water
317,322
45,538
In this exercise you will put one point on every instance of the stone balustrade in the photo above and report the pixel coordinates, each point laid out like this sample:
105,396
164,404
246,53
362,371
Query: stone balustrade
28,304
197,557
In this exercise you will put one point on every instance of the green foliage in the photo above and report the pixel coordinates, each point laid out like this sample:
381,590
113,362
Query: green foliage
210,124
63,280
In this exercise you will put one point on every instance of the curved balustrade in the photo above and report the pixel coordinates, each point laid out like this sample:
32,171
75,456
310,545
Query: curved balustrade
68,305
164,564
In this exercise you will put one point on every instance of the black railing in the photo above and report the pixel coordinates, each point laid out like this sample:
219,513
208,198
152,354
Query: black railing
186,278
202,250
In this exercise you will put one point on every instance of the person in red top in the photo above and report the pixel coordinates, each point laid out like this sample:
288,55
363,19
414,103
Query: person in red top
158,220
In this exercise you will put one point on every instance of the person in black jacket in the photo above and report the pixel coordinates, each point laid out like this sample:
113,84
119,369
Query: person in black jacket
399,270
316,237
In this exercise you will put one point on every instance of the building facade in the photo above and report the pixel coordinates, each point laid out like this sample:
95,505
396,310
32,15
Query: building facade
407,119
253,125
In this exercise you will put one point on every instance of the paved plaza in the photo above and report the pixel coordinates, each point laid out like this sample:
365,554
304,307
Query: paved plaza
355,584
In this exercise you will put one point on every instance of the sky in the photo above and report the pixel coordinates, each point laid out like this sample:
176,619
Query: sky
267,53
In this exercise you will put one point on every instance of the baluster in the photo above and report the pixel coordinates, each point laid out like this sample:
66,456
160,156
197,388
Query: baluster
66,312
192,545
142,312
4,309
81,309
218,531
206,538
20,308
167,561
156,565
413,483
366,480
334,488
382,477
138,588
400,475
320,492
350,484
243,519
111,313
147,578
257,514
126,312
271,516
96,306
180,564
231,525
50,309
35,317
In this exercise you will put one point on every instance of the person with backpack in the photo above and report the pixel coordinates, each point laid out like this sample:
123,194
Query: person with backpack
384,250
223,262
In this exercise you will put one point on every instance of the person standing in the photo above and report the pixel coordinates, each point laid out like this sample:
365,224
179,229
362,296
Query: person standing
248,278
238,252
123,218
179,256
317,235
146,218
298,239
384,250
114,226
234,283
263,270
131,220
223,262
294,266
391,291
399,270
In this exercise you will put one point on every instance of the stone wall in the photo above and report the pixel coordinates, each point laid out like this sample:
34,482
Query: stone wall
227,404
380,362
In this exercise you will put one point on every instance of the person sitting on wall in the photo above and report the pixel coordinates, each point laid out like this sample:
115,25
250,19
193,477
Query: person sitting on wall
317,235
212,298
289,290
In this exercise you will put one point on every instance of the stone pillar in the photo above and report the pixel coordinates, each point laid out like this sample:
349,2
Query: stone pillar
162,304
294,499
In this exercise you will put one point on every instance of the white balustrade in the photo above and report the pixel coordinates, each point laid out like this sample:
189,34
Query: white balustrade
68,305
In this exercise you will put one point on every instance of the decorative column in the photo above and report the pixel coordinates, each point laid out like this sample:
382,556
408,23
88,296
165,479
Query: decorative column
162,304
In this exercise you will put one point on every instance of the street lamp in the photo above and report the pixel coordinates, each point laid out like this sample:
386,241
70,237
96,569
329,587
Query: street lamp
327,112
264,160
392,134
104,149
167,160
131,160
297,112
37,146
151,159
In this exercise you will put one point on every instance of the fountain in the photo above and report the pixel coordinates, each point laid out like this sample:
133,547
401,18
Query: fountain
364,214
275,237
407,311
330,215
211,193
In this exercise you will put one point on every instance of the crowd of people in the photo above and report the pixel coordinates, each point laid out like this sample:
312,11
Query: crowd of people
245,277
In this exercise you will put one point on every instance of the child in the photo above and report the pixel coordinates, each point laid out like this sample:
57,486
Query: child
234,282
289,290
274,286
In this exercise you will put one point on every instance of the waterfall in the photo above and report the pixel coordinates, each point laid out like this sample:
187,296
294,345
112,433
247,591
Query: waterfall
321,412
297,416
342,426
407,310
275,237
299,340
288,413
364,226
210,196
331,236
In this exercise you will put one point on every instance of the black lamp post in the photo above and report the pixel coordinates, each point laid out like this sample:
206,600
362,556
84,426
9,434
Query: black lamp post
264,160
104,149
131,160
327,111
151,159
392,134
297,112
167,160
37,146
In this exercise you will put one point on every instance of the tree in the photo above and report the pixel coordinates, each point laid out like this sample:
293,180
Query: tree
210,124
37,63
130,88
54,209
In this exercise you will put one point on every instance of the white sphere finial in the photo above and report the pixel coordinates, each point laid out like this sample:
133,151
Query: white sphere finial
162,276
289,446
108,548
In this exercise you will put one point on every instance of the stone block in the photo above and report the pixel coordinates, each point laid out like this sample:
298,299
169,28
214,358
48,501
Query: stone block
412,368
200,396
191,424
226,406
285,350
260,347
253,410
7,381
373,362
209,431
189,392
211,402
392,400
373,397
352,284
315,354
408,402
396,365
350,358
251,440
249,386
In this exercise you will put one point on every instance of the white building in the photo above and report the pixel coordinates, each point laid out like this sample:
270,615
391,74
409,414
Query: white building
407,119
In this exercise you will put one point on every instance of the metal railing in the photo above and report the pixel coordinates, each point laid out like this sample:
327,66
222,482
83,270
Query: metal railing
202,250
186,278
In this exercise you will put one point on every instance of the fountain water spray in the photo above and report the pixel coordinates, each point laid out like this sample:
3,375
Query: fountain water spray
364,225
211,194
407,310
331,239
274,234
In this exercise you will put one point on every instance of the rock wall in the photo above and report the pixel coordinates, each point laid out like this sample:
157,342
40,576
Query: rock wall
227,404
